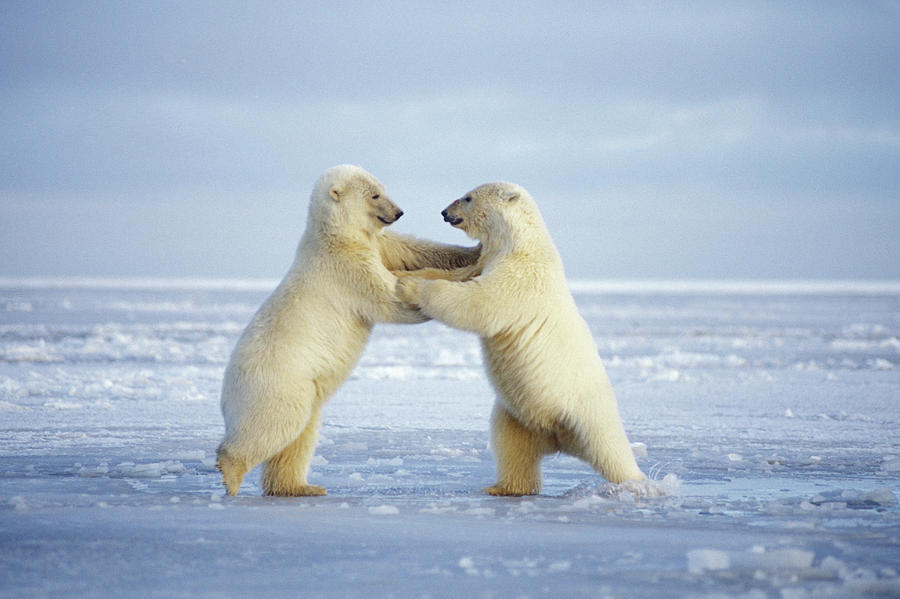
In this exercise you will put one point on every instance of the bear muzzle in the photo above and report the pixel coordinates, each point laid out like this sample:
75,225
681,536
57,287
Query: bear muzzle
391,219
448,218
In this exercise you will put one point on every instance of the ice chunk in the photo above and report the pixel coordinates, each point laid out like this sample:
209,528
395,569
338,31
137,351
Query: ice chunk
468,565
779,559
856,499
883,496
702,560
639,450
891,465
629,490
151,470
669,375
586,503
451,452
669,484
384,510
756,559
100,470
398,373
560,566
384,461
156,470
63,405
10,387
833,564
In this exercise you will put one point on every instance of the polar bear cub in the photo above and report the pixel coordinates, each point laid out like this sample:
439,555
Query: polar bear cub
307,336
553,393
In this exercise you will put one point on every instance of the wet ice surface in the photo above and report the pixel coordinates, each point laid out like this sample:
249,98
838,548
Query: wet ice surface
768,418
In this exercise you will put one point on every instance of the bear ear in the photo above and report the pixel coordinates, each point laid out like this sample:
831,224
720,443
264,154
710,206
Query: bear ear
335,193
510,196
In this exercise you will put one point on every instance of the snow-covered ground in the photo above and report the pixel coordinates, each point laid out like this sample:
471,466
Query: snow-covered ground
768,415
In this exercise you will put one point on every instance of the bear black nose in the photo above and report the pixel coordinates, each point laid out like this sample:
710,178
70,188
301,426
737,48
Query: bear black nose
399,214
444,213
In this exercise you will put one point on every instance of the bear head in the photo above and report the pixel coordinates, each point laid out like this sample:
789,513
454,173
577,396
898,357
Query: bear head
350,198
492,209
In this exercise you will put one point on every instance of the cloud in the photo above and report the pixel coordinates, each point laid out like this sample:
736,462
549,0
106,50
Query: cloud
673,113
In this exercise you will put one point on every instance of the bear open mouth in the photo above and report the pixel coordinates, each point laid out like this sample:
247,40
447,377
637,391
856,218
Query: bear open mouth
384,220
453,220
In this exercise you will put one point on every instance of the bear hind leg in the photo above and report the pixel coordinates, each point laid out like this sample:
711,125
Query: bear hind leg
607,450
233,470
255,436
518,451
284,474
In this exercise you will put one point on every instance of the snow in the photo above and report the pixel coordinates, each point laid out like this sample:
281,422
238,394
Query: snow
766,415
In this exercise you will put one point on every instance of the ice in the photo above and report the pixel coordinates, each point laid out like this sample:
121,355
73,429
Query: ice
560,566
882,497
702,560
467,564
764,414
891,465
154,470
384,510
774,560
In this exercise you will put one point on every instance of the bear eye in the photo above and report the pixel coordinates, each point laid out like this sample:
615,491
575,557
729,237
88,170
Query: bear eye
468,198
376,196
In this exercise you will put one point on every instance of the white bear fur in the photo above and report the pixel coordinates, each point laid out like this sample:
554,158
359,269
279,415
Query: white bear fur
553,393
307,336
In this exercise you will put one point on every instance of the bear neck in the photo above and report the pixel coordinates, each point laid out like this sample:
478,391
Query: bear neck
506,237
326,234
328,220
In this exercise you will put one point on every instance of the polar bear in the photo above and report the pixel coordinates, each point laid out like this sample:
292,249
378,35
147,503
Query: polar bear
307,336
553,393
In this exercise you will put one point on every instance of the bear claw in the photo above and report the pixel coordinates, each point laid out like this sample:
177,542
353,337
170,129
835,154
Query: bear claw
298,491
506,491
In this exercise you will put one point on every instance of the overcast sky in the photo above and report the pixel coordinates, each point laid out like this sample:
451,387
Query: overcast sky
661,140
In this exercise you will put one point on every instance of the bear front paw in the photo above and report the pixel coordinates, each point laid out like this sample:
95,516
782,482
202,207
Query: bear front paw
510,490
409,291
294,490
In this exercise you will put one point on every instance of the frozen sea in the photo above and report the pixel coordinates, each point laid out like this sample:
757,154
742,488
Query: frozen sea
768,415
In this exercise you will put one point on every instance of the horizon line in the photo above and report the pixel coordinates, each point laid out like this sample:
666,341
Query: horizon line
576,285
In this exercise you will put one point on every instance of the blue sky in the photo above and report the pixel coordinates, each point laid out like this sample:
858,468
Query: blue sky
661,140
